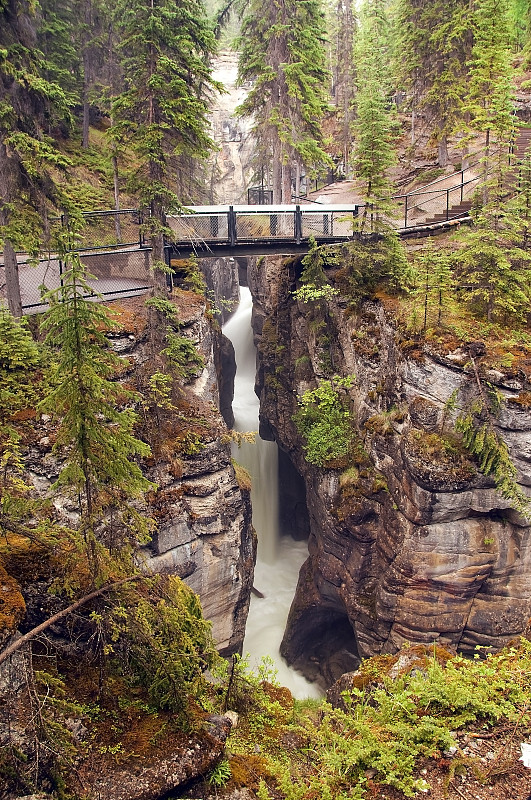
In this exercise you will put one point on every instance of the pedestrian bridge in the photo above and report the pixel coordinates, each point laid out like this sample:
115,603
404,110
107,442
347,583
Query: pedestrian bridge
252,230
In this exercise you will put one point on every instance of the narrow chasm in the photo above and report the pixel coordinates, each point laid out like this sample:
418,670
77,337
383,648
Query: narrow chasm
408,542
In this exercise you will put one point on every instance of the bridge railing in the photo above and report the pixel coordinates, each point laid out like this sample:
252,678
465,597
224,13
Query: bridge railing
233,225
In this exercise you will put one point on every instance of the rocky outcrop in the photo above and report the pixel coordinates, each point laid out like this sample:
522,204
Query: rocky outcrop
203,530
407,541
161,774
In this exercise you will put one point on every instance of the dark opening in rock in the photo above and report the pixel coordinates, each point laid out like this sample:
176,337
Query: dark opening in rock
322,647
293,511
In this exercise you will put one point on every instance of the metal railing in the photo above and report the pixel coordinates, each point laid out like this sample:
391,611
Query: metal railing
233,225
431,202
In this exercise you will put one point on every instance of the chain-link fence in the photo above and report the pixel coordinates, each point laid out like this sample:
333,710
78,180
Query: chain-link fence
111,274
104,230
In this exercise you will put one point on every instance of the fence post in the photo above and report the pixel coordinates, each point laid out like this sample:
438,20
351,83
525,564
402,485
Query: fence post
405,212
298,224
231,225
462,183
167,261
447,205
140,231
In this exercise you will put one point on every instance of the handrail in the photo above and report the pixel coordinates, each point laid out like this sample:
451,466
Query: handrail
438,180
441,191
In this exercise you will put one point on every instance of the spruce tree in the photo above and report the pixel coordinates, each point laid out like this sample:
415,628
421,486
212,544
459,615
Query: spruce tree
94,432
374,127
30,107
342,25
162,112
433,43
490,99
283,55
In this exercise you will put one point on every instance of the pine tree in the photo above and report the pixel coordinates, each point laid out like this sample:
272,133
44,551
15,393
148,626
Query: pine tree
433,46
95,434
343,23
282,54
30,106
490,99
162,113
374,127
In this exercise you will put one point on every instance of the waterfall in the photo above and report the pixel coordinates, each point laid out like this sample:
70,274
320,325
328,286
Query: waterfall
279,557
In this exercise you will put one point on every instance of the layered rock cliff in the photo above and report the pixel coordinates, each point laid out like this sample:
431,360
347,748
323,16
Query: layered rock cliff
407,541
203,531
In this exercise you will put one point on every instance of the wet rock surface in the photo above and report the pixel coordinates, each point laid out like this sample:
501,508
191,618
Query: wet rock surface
410,542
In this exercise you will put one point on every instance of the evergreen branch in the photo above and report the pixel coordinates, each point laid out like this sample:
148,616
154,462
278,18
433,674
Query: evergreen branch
8,651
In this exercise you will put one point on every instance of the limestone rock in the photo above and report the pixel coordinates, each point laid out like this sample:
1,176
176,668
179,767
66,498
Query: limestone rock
413,544
160,776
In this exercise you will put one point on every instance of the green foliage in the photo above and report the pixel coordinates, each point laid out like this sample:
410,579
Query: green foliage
94,434
486,445
494,275
164,307
431,57
433,283
282,53
163,642
161,113
315,285
183,356
19,393
323,419
374,126
221,774
367,265
390,726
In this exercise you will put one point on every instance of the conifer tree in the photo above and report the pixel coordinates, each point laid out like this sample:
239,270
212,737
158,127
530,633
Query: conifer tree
490,99
161,113
374,128
432,49
343,23
30,106
96,435
282,54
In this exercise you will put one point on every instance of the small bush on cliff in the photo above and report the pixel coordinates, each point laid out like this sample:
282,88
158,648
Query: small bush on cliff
324,420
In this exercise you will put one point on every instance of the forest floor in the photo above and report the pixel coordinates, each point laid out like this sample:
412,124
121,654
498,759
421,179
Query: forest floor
488,769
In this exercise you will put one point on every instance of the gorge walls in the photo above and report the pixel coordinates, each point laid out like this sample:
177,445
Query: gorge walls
408,542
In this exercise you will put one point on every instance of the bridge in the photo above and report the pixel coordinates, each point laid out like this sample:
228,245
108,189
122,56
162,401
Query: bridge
239,230
115,252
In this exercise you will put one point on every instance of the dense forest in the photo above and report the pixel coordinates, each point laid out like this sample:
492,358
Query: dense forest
105,106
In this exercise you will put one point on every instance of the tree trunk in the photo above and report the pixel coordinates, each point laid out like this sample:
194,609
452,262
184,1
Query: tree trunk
286,183
12,280
442,151
117,226
297,181
277,176
7,195
86,77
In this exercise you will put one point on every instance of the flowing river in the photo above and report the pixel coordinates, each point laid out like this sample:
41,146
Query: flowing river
279,557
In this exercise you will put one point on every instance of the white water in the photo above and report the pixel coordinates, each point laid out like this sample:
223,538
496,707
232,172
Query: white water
279,557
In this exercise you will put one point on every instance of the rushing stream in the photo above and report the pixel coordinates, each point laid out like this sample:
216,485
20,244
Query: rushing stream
279,557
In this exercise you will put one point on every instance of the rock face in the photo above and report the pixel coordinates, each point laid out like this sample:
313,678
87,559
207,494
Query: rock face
231,169
203,530
407,542
159,776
